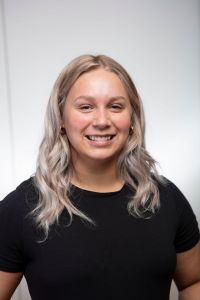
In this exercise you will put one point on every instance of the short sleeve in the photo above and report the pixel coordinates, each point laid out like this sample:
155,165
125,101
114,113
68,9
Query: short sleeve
187,233
11,233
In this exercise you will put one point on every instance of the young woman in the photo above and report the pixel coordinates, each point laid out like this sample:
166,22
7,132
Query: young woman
97,221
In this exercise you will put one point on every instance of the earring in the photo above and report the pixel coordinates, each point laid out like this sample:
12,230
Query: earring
131,130
62,130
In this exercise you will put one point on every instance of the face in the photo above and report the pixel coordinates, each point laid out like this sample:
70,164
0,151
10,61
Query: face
97,117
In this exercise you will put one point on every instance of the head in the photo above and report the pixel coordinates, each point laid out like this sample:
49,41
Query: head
67,78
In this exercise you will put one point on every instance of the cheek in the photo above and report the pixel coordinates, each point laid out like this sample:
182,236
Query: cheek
75,124
124,123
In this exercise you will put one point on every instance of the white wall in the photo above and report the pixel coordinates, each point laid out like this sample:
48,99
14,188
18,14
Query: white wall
157,41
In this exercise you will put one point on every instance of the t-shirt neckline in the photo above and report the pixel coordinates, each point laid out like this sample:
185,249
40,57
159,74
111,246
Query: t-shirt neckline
77,190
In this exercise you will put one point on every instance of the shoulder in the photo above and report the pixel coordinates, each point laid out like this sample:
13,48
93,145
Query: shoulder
170,194
174,204
179,211
21,198
14,209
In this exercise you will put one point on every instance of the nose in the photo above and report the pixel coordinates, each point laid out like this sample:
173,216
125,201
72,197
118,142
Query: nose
101,119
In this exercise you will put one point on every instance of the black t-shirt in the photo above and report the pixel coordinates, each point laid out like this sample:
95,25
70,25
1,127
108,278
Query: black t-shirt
121,257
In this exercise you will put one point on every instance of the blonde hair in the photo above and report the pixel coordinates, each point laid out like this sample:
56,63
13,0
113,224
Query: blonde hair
54,167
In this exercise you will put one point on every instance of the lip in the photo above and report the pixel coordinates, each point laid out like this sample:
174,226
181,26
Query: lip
100,135
97,134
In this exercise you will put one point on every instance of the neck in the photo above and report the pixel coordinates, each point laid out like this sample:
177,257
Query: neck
98,177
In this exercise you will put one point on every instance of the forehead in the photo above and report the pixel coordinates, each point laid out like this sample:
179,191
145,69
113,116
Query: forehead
99,80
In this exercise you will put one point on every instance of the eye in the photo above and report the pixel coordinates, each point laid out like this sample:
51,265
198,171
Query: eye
116,106
85,107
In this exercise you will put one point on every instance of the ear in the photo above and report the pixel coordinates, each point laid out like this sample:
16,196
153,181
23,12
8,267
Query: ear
62,125
62,128
131,130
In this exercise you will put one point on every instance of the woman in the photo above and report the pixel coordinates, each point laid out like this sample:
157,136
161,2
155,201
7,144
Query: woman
97,221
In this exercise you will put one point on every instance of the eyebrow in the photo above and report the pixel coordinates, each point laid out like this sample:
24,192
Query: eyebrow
85,97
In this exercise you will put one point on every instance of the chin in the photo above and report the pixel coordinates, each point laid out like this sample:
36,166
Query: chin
101,158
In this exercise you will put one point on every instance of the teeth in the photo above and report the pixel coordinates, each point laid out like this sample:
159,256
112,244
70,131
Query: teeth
99,138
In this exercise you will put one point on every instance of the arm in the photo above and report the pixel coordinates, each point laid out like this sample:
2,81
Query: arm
8,284
187,274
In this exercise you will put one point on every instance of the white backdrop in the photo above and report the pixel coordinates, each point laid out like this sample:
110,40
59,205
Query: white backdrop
157,41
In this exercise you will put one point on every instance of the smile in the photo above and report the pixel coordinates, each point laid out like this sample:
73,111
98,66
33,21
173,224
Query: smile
100,138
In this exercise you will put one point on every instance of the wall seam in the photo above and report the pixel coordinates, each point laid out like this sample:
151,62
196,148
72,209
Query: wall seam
9,100
8,89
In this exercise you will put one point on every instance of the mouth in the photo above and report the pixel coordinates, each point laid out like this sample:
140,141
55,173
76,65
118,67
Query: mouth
99,137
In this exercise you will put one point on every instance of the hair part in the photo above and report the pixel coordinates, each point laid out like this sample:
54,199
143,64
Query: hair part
54,166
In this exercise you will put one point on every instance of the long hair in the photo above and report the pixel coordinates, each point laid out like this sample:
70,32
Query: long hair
54,166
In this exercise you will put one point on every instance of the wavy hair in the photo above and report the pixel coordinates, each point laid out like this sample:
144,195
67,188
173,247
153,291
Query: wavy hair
54,166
